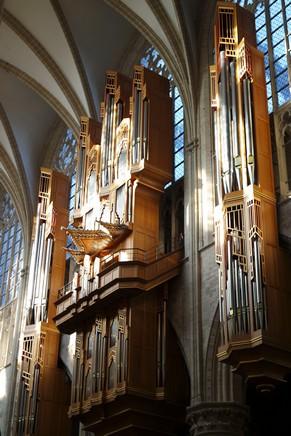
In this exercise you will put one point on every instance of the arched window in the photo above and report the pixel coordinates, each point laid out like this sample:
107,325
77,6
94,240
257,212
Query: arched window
65,156
11,249
273,29
153,61
64,161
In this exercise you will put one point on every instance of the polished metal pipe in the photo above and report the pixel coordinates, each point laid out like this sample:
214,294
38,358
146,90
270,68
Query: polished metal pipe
249,135
226,158
234,113
218,157
145,150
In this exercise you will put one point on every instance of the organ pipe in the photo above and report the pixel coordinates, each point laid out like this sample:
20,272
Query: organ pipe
32,270
249,135
48,256
136,125
145,130
217,154
227,166
234,113
250,284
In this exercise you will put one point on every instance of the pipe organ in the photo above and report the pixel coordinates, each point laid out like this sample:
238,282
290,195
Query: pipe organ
43,392
117,299
253,303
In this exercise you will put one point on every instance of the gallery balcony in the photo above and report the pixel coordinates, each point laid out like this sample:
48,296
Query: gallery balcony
122,274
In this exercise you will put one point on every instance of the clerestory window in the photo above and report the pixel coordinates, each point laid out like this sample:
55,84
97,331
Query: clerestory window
273,30
153,61
11,249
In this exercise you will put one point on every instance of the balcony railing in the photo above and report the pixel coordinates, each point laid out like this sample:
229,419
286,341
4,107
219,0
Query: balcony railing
134,268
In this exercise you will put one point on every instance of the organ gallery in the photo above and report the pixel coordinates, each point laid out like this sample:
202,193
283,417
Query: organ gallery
145,203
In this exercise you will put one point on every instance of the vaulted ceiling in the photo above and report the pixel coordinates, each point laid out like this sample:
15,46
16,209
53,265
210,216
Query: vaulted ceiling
53,56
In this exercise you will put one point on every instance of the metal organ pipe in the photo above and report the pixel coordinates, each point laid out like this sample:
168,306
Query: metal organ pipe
111,138
119,112
39,272
145,130
106,143
249,136
237,295
48,255
136,125
107,138
235,143
81,165
217,154
34,399
227,159
129,202
258,285
231,305
33,260
244,299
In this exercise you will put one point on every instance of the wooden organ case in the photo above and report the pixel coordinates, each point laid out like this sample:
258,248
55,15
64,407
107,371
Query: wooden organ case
254,301
44,392
116,301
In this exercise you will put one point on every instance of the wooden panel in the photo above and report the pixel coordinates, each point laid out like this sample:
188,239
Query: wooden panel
246,26
142,357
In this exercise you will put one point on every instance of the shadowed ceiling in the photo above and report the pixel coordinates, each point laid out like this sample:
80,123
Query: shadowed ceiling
53,57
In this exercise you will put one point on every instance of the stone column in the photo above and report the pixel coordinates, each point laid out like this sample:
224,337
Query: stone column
218,419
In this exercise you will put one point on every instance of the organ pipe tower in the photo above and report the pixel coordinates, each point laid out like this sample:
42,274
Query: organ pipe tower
116,301
43,390
254,306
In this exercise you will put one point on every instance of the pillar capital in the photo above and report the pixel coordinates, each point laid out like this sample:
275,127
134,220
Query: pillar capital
218,419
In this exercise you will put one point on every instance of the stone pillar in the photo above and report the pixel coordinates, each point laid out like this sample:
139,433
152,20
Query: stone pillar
218,419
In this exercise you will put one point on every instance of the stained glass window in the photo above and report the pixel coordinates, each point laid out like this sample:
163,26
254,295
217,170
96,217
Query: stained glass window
273,28
64,161
154,62
11,249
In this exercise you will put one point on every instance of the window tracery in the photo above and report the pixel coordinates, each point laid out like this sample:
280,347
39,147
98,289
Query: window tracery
65,156
11,249
273,29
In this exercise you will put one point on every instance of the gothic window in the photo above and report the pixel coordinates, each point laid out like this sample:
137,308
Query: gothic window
273,28
64,161
154,62
11,250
